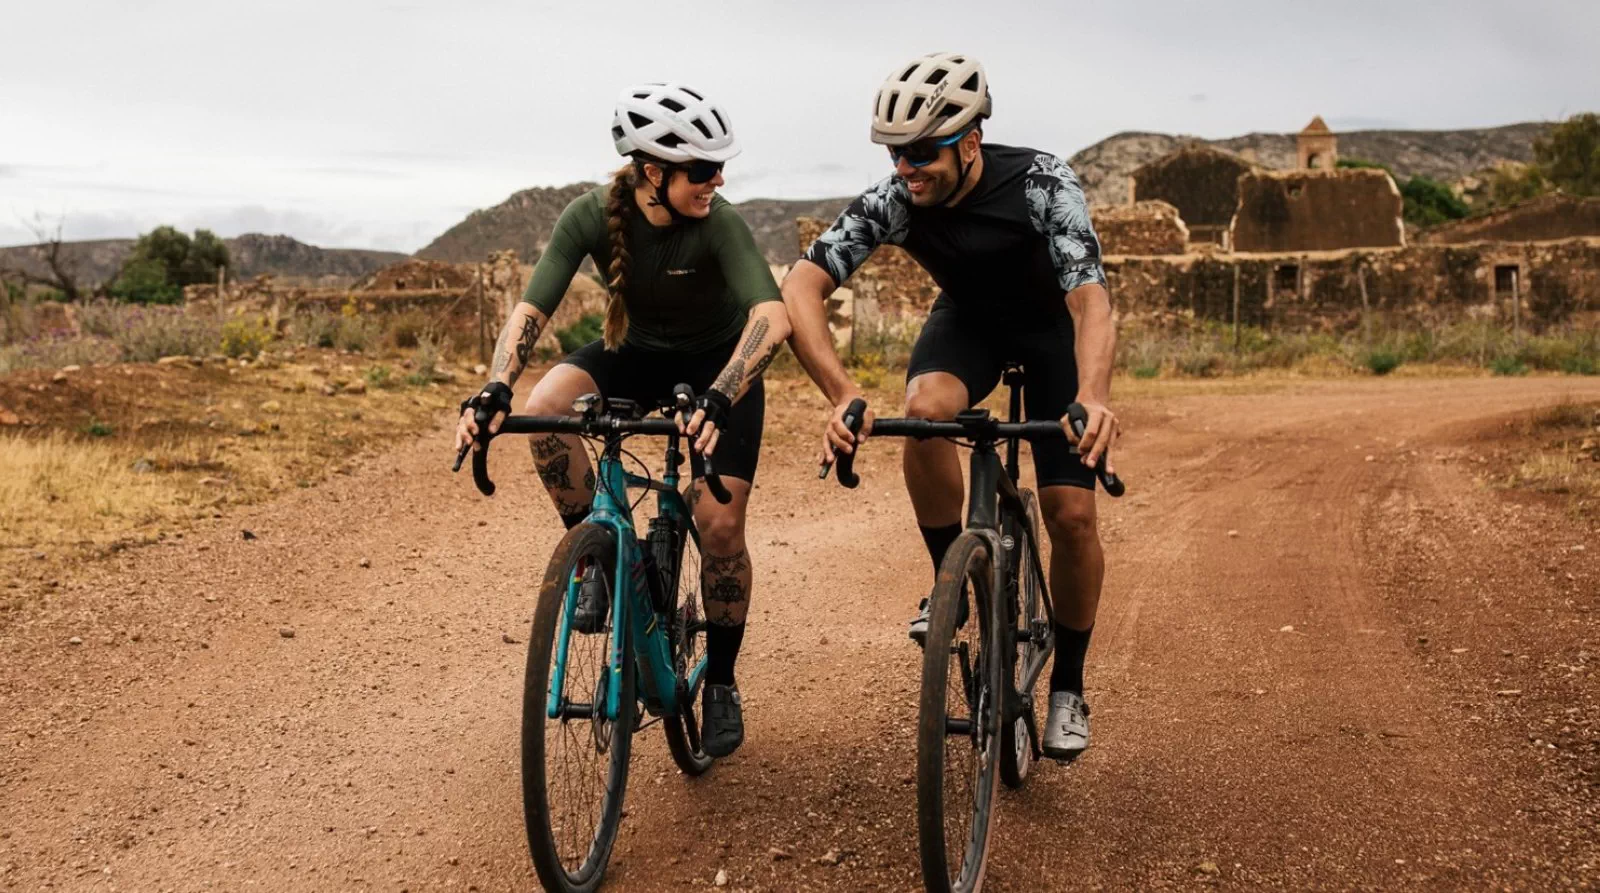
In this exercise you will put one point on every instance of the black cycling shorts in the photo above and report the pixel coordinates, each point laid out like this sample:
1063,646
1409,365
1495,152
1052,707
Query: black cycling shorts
977,352
650,375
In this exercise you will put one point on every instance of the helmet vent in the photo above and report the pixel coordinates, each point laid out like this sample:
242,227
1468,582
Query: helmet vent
893,98
909,72
720,123
697,96
673,104
638,120
916,106
972,83
616,133
700,125
936,76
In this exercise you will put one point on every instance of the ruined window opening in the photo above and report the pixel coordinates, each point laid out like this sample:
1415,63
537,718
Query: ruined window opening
1505,280
1312,161
1294,190
1286,279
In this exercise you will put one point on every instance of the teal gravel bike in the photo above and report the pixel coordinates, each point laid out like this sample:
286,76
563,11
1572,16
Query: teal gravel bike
583,691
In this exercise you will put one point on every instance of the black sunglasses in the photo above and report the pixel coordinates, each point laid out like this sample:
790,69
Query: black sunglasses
701,171
924,152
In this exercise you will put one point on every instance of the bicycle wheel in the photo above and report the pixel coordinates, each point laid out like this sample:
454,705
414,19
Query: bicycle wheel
688,646
958,730
1031,644
575,765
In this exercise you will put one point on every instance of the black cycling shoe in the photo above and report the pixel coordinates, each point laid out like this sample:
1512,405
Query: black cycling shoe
919,623
722,720
594,602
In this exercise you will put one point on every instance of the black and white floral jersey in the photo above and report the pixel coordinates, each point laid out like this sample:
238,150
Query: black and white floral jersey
1010,250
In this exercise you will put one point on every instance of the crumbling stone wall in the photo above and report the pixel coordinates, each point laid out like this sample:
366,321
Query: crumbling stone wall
1198,180
1317,211
1148,227
1423,284
1554,216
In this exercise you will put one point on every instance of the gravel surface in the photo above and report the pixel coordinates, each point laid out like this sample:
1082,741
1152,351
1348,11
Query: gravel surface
1310,670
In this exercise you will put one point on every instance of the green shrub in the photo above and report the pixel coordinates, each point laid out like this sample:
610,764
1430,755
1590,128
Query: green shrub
1146,371
1382,362
1427,202
97,428
589,327
145,281
1508,364
320,328
379,376
244,338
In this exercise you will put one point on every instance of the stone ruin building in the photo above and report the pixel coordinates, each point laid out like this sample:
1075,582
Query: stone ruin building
1200,181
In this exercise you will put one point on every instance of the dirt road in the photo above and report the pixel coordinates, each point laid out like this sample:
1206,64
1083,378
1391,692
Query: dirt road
1327,657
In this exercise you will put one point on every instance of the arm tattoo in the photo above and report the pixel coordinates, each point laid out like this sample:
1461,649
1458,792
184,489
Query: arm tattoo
522,344
758,333
732,379
564,507
765,361
588,480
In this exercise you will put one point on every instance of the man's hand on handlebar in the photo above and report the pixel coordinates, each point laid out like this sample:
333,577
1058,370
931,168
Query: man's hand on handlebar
1100,433
836,438
495,396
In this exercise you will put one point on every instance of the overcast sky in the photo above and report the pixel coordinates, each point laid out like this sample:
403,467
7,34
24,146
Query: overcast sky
361,123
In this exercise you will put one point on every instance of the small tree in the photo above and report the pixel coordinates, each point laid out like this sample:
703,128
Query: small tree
60,266
1512,183
1428,201
1569,155
164,260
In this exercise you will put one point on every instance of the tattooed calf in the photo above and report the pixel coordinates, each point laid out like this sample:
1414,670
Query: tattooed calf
546,447
556,474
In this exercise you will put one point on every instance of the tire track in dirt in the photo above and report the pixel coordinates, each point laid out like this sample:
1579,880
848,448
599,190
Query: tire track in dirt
376,749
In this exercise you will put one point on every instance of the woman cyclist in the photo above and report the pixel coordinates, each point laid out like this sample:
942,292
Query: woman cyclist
693,301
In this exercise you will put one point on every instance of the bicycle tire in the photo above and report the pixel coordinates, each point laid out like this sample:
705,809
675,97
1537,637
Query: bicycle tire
552,826
980,680
1016,752
683,727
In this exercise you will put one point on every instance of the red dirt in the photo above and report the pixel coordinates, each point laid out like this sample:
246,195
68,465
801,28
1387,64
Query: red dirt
188,744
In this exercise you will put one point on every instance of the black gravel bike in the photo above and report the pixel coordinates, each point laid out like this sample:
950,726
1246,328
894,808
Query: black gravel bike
977,722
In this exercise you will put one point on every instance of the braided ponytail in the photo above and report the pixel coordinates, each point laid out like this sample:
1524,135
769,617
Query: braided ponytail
620,208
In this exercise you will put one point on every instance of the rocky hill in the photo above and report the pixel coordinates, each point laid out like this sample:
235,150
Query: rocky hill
522,222
525,220
253,254
1445,155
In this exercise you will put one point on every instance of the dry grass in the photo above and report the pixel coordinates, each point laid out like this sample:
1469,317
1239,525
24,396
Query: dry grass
1557,451
1561,473
116,455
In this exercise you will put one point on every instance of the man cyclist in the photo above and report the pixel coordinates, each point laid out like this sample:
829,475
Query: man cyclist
1005,233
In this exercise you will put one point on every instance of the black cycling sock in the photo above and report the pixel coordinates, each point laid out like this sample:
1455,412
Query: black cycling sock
1071,647
574,519
939,540
722,650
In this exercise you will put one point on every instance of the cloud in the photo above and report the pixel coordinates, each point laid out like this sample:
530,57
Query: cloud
1197,97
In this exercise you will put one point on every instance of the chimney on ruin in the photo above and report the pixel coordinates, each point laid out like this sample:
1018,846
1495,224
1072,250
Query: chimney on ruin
1319,147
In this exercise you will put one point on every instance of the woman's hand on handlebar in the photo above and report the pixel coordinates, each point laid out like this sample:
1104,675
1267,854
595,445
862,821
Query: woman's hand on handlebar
494,395
710,416
836,437
1100,433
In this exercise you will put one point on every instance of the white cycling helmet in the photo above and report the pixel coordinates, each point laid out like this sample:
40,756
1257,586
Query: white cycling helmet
940,94
672,123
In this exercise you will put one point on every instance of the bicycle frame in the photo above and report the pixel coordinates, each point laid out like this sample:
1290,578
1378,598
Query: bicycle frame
632,610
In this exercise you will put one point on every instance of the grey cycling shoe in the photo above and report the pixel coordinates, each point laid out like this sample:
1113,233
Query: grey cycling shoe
721,720
919,623
1066,730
